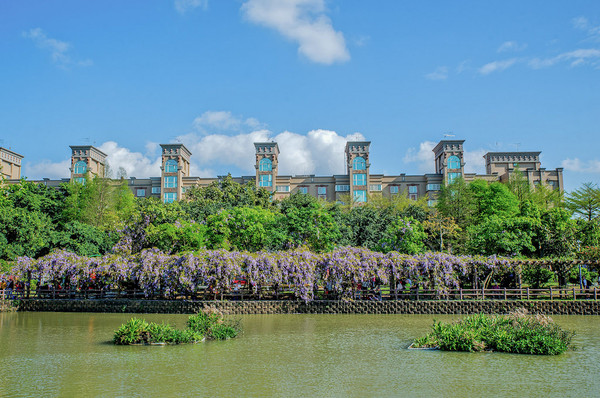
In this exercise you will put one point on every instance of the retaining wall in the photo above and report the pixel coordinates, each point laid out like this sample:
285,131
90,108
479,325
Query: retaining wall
580,307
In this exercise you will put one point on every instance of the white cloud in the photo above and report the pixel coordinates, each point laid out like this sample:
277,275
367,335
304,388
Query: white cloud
319,151
211,121
582,23
183,6
497,66
47,169
474,161
424,158
508,46
576,58
59,50
303,21
135,164
578,166
440,73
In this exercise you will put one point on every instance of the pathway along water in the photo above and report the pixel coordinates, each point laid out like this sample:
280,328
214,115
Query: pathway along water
69,354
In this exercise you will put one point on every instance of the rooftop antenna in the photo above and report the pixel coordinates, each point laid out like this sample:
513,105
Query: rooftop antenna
517,145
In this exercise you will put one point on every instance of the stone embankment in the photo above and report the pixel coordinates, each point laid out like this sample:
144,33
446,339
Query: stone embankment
555,307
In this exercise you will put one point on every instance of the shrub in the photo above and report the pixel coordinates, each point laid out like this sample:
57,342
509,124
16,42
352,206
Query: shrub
208,323
517,333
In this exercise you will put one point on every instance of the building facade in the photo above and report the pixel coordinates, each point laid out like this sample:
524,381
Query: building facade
357,184
10,164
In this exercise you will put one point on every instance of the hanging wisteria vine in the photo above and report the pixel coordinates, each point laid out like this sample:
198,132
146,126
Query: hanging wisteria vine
157,274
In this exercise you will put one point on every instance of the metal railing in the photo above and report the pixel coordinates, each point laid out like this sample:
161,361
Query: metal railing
287,293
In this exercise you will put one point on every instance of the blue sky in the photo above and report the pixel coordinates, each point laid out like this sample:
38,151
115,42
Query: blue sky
220,74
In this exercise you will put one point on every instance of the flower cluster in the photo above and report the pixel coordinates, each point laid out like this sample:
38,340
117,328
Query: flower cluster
163,275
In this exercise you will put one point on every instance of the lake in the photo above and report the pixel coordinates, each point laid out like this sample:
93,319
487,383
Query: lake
70,354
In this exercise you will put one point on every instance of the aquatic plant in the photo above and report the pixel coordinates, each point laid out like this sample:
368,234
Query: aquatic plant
209,324
518,333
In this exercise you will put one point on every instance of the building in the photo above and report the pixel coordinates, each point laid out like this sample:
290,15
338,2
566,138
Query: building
10,164
357,183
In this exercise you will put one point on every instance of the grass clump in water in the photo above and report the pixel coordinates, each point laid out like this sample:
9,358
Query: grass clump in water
517,332
207,324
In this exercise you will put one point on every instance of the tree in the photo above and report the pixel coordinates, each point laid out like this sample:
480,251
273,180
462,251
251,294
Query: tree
304,221
439,227
455,200
503,236
492,199
585,201
243,228
518,184
404,235
200,202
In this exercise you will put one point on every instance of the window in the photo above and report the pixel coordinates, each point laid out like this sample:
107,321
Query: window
394,189
303,190
155,190
170,182
553,184
80,180
283,188
359,164
80,167
375,187
360,179
360,196
265,180
342,188
321,190
433,187
431,203
171,166
140,192
413,189
170,197
265,164
452,177
453,162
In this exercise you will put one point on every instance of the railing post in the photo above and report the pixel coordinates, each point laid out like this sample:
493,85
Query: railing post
528,294
550,293
504,294
595,293
461,293
574,296
483,293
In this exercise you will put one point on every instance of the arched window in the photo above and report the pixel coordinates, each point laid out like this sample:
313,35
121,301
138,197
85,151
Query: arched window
80,167
265,164
171,166
359,163
453,162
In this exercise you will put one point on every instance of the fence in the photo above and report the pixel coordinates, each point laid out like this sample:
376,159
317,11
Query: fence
382,293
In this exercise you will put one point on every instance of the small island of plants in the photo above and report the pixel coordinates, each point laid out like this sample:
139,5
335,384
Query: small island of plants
517,333
208,324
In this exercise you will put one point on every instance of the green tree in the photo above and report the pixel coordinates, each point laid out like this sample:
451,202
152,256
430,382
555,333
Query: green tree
404,235
243,228
585,201
455,200
503,236
518,185
179,236
305,222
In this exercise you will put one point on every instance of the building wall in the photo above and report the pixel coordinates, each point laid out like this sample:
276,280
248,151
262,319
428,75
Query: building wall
10,164
500,166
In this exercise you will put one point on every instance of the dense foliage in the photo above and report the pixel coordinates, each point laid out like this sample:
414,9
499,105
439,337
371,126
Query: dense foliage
102,217
517,333
158,274
208,324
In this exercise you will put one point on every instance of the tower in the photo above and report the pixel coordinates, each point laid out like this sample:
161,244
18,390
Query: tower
266,165
175,166
86,159
449,160
357,163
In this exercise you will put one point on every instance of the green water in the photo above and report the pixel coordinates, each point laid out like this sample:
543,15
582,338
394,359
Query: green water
69,354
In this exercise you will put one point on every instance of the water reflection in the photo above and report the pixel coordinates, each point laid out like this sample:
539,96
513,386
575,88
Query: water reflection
67,354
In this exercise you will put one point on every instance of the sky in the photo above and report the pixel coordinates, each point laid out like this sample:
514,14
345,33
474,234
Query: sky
218,75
